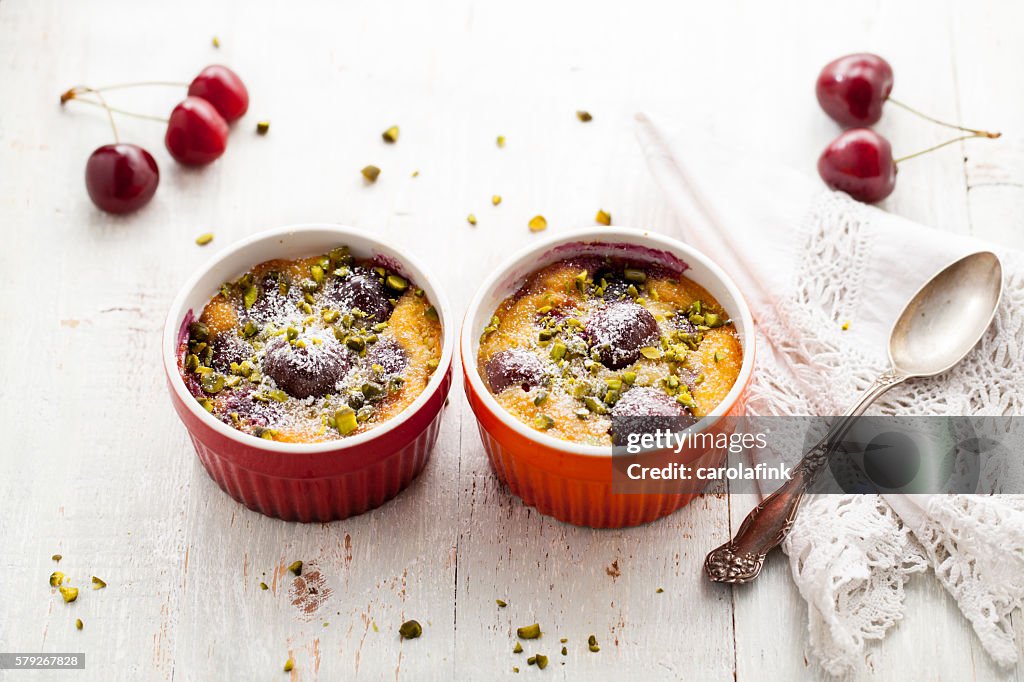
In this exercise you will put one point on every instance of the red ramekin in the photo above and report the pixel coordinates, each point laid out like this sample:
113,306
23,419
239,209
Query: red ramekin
573,482
316,481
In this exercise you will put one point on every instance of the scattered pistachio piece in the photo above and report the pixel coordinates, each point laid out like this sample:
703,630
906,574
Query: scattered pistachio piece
531,660
634,275
390,135
216,43
543,422
650,352
431,314
98,583
346,421
529,631
56,578
603,218
538,223
584,116
264,586
204,239
79,624
70,594
397,283
295,567
558,350
370,173
57,557
846,325
659,591
565,652
501,604
495,199
518,648
410,629
262,127
501,141
471,219
719,356
249,296
542,661
415,173
289,665
592,644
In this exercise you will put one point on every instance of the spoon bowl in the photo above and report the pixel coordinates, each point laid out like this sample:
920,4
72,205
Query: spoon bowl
947,316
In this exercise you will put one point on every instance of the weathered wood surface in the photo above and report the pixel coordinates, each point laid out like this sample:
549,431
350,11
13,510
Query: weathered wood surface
97,468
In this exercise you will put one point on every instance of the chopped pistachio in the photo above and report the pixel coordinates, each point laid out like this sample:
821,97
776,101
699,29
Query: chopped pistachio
295,567
650,352
565,652
614,384
346,421
518,648
97,583
356,343
204,239
57,557
390,135
199,331
515,669
495,199
289,665
629,377
713,320
634,275
471,219
70,594
501,603
531,660
277,395
594,405
56,578
212,383
543,422
846,325
249,296
592,644
317,273
415,173
410,629
542,661
539,399
370,173
603,218
397,283
262,127
584,116
528,631
538,223
659,591
264,586
250,329
215,41
79,624
501,141
719,356
558,350
431,314
545,335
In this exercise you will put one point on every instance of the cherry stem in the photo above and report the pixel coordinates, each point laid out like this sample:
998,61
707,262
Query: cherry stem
976,132
141,84
73,92
947,142
122,112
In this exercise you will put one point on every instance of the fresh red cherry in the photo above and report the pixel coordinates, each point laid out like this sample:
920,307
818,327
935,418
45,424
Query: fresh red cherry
853,88
859,162
121,178
196,133
221,87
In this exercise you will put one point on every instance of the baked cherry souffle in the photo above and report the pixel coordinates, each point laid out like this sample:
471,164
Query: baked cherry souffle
587,339
312,349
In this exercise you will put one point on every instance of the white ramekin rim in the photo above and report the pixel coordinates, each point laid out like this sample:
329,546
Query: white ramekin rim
600,235
422,278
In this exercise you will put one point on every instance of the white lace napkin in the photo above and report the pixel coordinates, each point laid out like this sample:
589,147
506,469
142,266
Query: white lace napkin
809,261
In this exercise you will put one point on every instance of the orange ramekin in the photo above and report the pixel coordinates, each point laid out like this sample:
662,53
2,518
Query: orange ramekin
566,480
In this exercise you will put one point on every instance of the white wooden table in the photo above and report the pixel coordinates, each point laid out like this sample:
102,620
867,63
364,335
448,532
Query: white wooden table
97,468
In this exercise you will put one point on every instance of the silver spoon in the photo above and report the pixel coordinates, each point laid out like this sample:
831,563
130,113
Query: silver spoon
940,325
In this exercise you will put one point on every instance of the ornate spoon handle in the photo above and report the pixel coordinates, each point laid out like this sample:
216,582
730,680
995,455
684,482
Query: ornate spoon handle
767,525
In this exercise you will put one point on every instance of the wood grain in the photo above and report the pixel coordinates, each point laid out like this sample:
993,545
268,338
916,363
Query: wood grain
98,469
